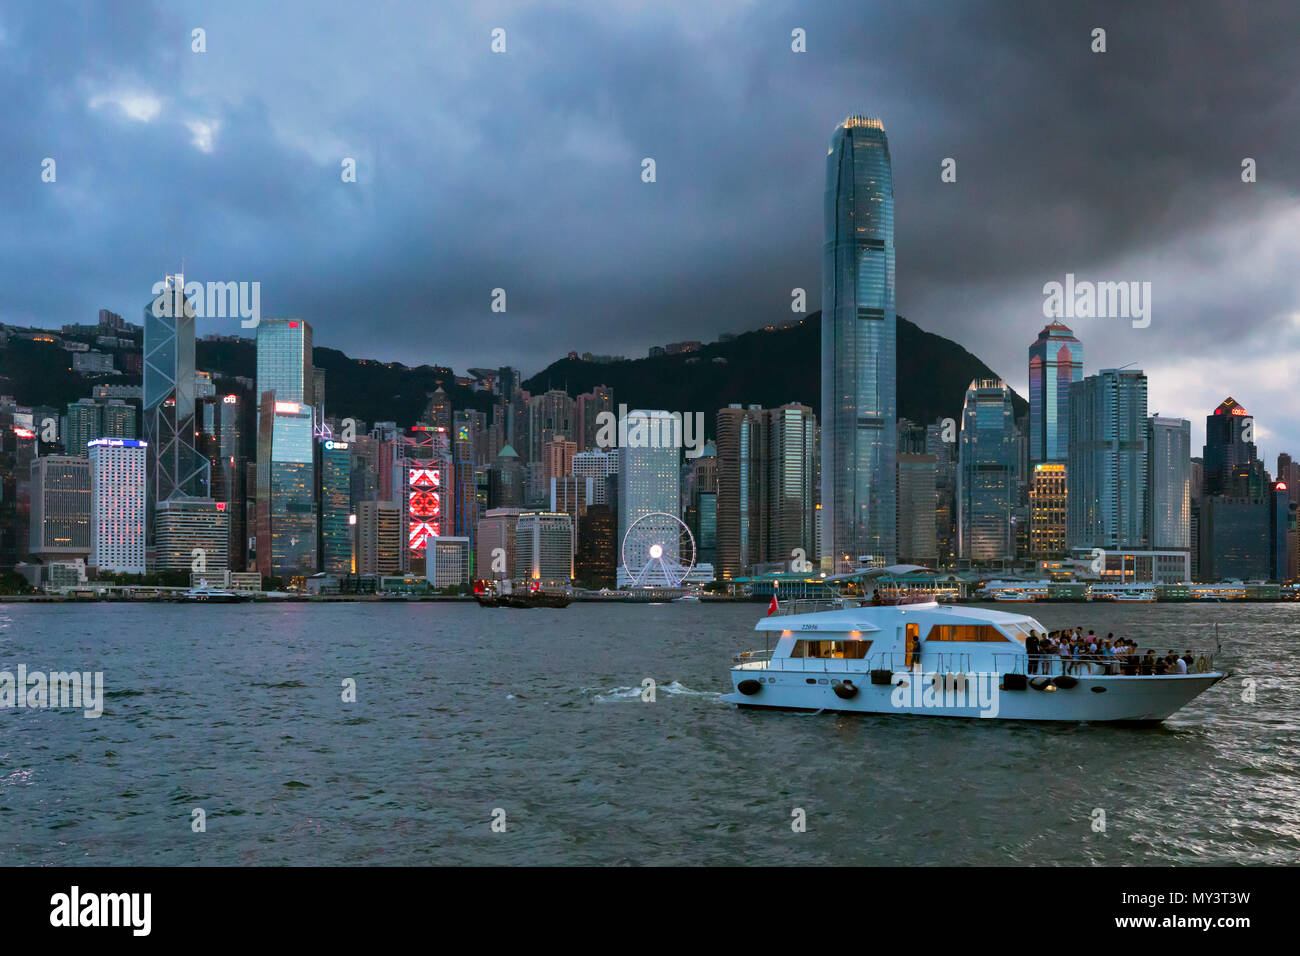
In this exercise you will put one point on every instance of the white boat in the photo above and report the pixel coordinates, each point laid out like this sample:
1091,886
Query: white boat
210,595
939,660
1013,597
1136,597
1124,593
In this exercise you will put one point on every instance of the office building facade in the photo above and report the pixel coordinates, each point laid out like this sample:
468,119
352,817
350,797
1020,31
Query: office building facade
859,350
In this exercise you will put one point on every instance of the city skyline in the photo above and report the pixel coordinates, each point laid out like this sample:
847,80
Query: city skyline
252,190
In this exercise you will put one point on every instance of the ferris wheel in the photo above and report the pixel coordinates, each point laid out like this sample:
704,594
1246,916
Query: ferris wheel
658,551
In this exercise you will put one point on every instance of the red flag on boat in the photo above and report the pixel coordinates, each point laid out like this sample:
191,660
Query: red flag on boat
773,607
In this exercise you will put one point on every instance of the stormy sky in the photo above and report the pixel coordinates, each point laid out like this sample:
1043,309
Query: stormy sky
522,170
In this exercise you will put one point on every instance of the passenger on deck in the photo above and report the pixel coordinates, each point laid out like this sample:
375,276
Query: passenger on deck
1031,650
1147,667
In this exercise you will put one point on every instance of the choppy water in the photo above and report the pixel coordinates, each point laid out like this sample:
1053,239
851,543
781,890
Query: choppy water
461,710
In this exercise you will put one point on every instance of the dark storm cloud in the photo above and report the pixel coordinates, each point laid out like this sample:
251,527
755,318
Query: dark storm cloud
522,171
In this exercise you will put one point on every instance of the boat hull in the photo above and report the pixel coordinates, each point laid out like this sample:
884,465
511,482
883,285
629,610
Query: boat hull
1116,699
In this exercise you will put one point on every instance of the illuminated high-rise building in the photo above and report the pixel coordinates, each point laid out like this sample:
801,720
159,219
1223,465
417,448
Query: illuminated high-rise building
335,507
1169,483
192,534
284,361
1107,466
117,505
379,538
986,470
649,471
60,506
918,541
1048,510
221,441
1055,361
286,489
176,467
859,350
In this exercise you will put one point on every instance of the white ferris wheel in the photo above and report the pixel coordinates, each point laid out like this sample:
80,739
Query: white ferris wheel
658,551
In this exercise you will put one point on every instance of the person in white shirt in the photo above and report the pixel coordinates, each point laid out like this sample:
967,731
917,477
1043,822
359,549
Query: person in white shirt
1180,666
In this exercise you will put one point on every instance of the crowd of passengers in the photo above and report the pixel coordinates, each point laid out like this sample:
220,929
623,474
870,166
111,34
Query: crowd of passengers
1074,650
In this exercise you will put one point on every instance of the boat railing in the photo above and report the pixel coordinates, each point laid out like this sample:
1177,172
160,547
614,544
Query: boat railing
1089,665
814,605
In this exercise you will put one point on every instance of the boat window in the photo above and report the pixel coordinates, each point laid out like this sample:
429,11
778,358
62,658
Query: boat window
1018,631
847,650
965,632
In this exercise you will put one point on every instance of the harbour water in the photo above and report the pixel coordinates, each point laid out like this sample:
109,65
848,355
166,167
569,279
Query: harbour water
237,710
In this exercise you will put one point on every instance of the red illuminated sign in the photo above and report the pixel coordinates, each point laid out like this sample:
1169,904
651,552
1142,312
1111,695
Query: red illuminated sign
1239,411
424,503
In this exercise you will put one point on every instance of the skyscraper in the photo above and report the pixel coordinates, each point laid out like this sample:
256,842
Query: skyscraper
859,349
506,480
1055,361
918,541
286,488
1236,509
589,406
1108,461
1048,507
739,484
284,362
1169,483
649,471
117,505
986,488
1232,465
335,507
790,480
175,465
192,534
60,506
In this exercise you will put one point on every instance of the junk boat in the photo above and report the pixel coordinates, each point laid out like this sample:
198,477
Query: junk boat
916,656
533,596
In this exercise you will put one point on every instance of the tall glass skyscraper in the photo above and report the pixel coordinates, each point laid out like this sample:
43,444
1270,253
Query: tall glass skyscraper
649,473
286,490
1169,483
176,467
284,361
859,350
986,473
335,507
1055,360
1107,470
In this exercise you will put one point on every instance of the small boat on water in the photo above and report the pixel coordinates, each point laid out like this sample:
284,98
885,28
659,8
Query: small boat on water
522,598
1136,597
925,658
1013,597
208,595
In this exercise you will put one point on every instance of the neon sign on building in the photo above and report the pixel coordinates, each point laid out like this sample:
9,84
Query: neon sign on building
424,502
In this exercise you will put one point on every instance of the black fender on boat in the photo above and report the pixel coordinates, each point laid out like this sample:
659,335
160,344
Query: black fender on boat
882,677
1014,682
1042,683
1065,682
845,690
749,687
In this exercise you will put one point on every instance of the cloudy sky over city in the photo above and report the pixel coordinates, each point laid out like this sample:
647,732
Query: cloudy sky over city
522,170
